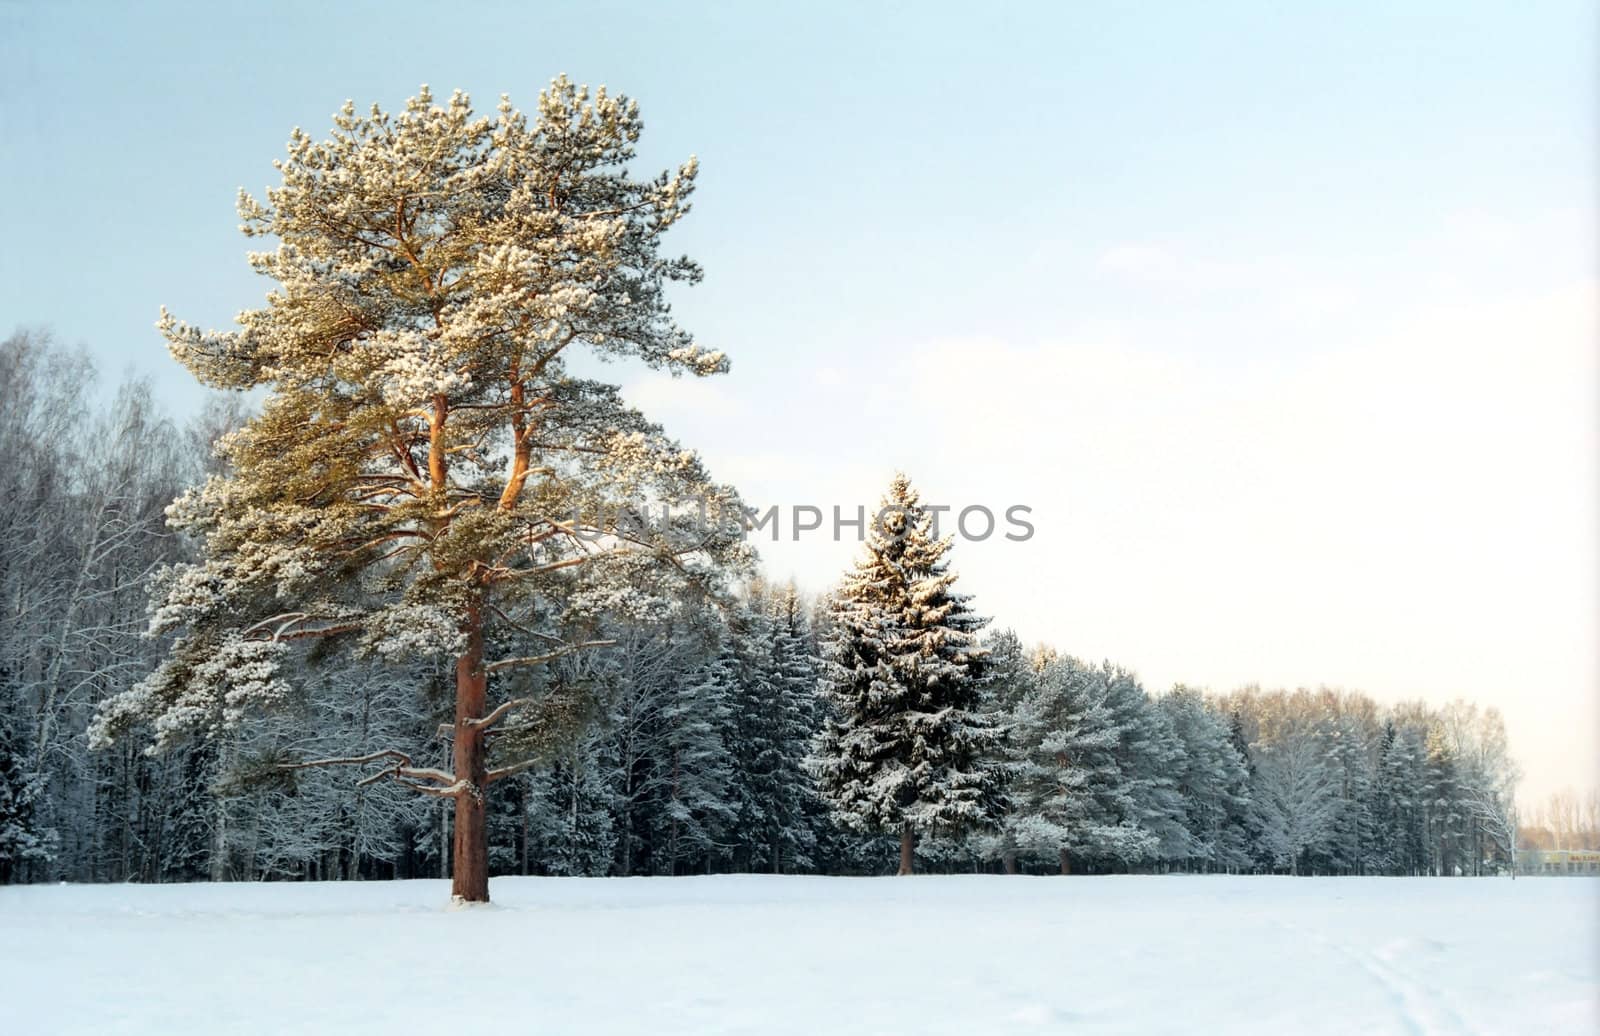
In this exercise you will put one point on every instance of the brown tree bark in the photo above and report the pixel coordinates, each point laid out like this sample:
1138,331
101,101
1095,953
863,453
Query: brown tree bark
1066,862
1009,861
470,851
907,844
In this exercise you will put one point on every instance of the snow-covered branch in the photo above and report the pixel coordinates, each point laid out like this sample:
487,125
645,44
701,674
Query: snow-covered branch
507,663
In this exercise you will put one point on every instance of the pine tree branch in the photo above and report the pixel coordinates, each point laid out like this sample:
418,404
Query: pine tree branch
506,663
460,787
352,760
502,772
289,619
402,770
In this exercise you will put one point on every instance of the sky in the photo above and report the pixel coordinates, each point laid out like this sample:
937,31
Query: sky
1280,318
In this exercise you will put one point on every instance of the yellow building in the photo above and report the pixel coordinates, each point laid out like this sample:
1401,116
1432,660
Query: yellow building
1559,861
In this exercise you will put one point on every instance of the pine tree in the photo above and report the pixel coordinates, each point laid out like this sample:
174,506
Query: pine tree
428,477
1244,815
640,678
1009,686
1133,814
574,811
1445,815
1404,779
23,842
1386,806
773,718
753,741
1211,780
697,771
906,751
794,720
1010,674
1350,760
1150,757
1069,780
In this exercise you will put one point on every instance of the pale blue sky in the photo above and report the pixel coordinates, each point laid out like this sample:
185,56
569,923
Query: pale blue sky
871,177
1280,315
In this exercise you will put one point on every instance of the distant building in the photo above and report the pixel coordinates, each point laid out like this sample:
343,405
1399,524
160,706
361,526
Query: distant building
1559,861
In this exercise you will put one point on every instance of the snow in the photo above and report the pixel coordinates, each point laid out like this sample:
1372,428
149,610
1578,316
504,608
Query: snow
783,954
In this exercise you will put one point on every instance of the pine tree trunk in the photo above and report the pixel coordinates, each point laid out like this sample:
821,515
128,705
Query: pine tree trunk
1008,860
907,843
1066,862
470,851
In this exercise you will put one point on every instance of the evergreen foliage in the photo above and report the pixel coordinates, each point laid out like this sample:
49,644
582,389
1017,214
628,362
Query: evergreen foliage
907,749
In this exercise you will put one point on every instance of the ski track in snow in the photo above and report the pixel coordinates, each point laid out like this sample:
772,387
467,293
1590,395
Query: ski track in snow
1420,1010
749,954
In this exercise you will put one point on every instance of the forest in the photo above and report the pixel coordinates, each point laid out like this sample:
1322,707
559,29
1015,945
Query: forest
696,742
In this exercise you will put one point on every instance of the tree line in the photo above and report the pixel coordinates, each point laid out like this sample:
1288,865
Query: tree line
389,622
1562,820
704,741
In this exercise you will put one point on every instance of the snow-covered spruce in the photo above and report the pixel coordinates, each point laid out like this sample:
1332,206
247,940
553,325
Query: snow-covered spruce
907,749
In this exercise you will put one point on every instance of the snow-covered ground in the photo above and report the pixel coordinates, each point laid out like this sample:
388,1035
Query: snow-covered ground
805,955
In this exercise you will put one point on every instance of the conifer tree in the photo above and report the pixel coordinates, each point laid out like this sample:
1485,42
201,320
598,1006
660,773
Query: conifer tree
1112,792
23,842
1211,780
1244,816
752,741
791,718
1008,691
907,751
1149,757
697,772
1386,806
428,477
575,809
1444,813
1350,762
1068,770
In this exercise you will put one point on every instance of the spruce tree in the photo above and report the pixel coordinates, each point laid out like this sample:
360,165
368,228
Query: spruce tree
1385,806
1009,690
1350,760
697,773
907,751
1212,779
23,841
1067,739
1150,757
1445,815
790,718
575,809
1244,815
1102,802
753,741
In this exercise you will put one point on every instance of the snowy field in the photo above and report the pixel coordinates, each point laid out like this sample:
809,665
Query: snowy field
806,955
